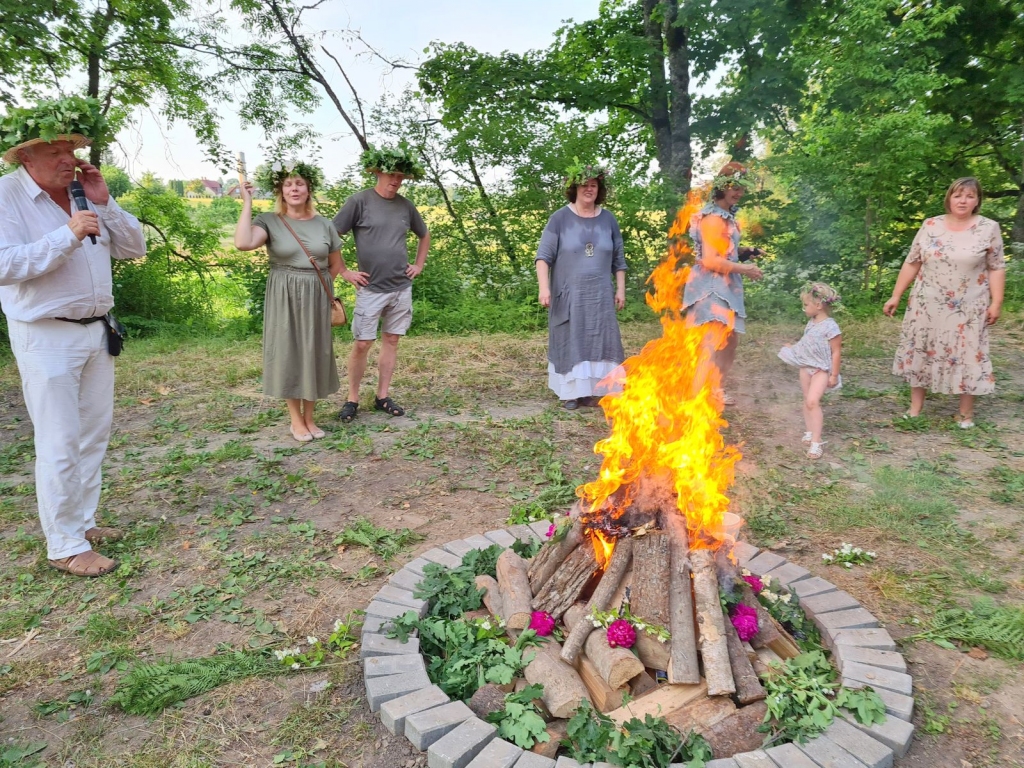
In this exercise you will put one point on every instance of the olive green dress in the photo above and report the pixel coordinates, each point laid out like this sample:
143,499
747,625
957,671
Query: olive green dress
298,347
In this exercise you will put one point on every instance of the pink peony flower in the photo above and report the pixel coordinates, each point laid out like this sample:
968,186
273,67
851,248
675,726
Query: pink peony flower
621,634
542,623
755,583
744,618
551,531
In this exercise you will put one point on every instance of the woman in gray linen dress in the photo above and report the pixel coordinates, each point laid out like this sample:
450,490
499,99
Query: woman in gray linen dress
298,346
580,250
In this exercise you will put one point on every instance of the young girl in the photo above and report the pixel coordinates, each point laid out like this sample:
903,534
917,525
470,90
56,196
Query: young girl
817,355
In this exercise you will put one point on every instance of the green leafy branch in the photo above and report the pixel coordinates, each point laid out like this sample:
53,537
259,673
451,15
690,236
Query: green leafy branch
520,721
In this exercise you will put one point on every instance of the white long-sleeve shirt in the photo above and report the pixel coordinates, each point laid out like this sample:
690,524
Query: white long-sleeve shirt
45,271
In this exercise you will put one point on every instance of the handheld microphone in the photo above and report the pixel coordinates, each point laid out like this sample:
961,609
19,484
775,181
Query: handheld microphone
78,193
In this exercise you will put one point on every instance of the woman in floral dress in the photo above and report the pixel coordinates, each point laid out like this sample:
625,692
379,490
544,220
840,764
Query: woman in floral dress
957,266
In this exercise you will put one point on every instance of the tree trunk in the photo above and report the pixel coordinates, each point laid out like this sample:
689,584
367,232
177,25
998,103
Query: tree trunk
492,214
678,53
100,30
438,182
659,112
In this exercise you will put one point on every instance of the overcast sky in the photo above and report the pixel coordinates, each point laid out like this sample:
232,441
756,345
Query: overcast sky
400,29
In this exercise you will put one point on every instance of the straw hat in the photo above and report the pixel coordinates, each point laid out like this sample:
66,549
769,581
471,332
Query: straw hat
77,140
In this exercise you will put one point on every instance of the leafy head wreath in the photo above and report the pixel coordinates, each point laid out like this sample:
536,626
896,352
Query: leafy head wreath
400,159
733,175
578,173
77,119
271,177
822,292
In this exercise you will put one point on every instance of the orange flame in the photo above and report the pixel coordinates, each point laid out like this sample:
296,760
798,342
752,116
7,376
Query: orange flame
603,548
666,423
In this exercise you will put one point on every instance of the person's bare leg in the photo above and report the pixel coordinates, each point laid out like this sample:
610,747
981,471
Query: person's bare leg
386,362
805,383
966,407
299,428
357,367
813,416
916,400
308,407
726,356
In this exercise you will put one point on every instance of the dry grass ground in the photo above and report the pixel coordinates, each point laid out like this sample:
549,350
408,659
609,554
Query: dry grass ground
232,532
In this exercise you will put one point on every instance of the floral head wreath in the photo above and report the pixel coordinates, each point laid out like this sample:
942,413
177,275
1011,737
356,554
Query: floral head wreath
77,119
271,177
400,159
578,173
822,292
733,175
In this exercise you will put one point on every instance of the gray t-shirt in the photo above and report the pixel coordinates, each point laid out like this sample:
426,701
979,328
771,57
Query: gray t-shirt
380,227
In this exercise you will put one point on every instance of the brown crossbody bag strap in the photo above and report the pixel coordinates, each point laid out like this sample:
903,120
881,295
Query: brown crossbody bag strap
336,304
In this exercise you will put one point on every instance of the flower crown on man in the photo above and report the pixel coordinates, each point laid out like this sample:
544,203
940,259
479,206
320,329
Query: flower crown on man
272,176
733,174
400,159
75,119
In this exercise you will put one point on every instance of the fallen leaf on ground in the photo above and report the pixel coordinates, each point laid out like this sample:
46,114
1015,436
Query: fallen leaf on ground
978,653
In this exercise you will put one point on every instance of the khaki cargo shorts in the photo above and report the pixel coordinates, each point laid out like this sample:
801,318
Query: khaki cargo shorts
393,310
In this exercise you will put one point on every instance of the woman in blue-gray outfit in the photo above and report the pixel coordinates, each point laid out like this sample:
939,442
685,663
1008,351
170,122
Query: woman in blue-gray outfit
579,252
714,290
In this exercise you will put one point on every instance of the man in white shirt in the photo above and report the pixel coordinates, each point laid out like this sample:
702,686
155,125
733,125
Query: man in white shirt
55,288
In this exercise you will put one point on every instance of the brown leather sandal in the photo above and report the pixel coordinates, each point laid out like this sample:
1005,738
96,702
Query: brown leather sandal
100,533
86,563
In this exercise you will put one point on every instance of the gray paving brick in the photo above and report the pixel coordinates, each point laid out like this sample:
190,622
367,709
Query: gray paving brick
497,754
828,602
524,533
540,527
879,639
877,677
812,586
896,704
386,610
504,538
789,573
756,759
380,666
447,559
603,764
530,760
375,625
405,579
378,645
568,762
424,728
843,653
403,597
417,565
722,762
381,689
831,623
788,756
894,733
874,754
394,712
458,747
459,548
828,754
478,541
765,561
744,552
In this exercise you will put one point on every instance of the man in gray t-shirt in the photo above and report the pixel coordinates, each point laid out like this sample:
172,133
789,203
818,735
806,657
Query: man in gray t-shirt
380,220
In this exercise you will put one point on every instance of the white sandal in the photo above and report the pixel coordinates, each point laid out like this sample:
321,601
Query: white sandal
964,422
816,450
806,439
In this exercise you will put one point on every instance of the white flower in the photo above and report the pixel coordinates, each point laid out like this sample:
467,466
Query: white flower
766,580
277,166
312,640
770,596
871,554
848,565
640,627
786,598
827,558
296,665
280,655
337,625
596,623
486,625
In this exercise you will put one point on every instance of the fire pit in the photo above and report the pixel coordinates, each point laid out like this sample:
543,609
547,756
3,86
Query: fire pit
649,556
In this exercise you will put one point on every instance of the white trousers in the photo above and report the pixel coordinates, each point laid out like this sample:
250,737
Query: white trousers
67,377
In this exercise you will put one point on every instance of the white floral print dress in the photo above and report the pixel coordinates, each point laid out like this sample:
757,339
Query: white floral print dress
944,342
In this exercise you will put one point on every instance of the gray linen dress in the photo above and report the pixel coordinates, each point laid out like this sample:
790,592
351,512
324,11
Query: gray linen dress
709,296
584,344
298,346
